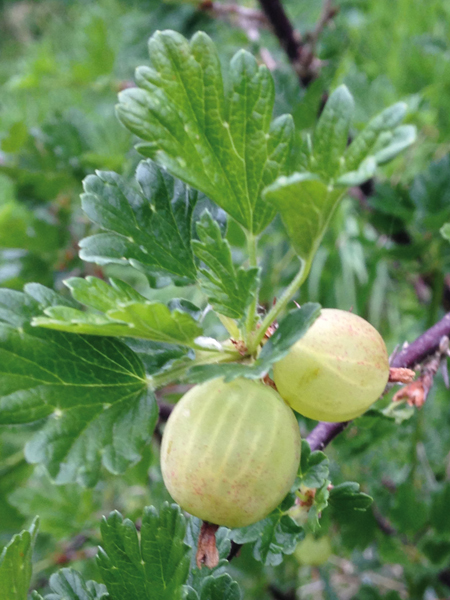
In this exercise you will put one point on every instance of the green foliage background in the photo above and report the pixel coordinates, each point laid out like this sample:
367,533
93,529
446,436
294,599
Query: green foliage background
61,67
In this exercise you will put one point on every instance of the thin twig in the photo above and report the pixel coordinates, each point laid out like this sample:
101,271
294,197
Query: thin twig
410,356
301,52
328,13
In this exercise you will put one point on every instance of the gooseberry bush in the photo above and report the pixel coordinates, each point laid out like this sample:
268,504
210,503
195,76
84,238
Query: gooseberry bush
86,371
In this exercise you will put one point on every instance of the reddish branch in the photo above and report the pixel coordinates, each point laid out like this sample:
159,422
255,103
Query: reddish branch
412,355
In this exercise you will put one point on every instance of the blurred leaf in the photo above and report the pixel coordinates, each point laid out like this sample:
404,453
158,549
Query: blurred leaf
364,172
347,496
95,390
445,231
409,512
63,510
379,138
216,588
223,146
229,291
20,228
439,509
67,584
149,228
331,133
154,566
15,565
430,193
17,136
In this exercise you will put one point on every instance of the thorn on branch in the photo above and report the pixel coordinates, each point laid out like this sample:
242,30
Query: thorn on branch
207,553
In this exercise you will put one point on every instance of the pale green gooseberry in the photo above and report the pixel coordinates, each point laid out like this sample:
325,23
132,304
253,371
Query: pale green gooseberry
312,551
230,451
336,370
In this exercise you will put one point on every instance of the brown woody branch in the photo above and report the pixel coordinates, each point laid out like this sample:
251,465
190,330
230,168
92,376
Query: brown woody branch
301,52
412,355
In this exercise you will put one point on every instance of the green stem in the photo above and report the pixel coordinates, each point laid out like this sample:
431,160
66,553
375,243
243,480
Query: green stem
251,315
275,311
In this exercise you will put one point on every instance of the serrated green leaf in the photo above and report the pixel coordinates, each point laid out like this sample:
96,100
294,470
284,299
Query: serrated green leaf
331,134
226,147
306,205
149,228
290,329
68,584
365,171
376,133
127,314
307,200
156,566
347,496
274,536
220,588
229,290
314,467
401,138
95,390
15,565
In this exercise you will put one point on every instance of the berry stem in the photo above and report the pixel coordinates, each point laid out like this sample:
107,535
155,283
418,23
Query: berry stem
281,304
253,262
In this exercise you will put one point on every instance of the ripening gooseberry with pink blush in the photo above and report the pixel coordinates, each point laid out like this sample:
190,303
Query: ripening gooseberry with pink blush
230,451
336,370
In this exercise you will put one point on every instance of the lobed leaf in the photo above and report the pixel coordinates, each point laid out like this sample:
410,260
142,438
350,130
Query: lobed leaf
274,536
93,390
306,205
229,291
376,137
222,145
155,566
68,584
307,200
148,228
15,565
347,496
314,467
126,313
331,133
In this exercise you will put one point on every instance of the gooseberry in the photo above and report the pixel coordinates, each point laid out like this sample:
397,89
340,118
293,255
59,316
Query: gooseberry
230,451
312,551
336,370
